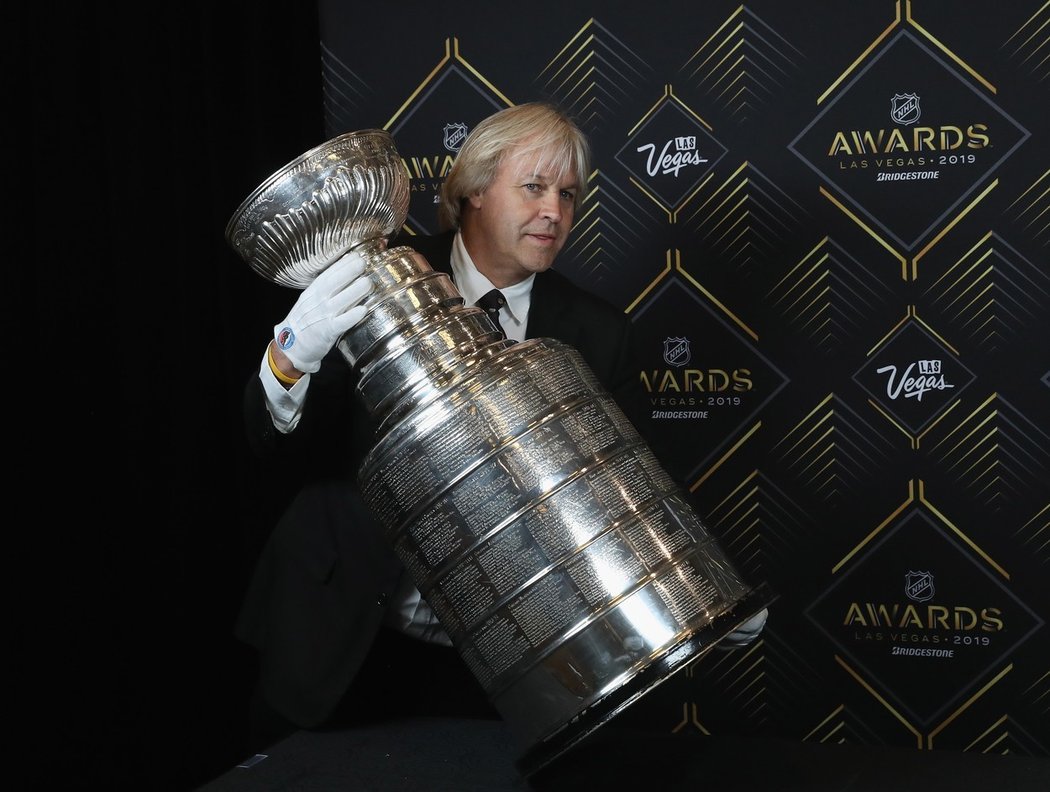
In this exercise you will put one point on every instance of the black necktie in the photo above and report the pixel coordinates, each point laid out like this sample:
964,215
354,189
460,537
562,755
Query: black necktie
492,302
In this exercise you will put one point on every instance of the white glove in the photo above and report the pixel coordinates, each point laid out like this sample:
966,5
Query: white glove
324,312
746,632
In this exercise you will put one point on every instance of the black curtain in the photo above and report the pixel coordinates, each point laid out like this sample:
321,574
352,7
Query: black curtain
147,128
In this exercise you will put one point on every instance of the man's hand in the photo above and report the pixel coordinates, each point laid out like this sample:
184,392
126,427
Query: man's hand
324,312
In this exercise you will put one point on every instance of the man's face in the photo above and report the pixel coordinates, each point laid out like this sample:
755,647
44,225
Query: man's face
521,221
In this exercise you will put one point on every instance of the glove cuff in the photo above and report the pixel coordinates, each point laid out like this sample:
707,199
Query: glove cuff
281,376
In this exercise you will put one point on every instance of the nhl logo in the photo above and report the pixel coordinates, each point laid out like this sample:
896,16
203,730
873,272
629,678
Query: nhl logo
676,351
455,134
904,108
919,586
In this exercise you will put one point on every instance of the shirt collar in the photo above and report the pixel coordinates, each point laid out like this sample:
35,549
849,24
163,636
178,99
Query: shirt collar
472,285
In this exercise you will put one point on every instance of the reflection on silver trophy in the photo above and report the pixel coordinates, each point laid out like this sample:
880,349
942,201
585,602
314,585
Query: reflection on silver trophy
563,561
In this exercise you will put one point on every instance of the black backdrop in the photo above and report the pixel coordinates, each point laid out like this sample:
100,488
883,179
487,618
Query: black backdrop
147,128
802,206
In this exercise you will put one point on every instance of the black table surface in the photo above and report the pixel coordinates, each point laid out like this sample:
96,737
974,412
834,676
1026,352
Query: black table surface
467,755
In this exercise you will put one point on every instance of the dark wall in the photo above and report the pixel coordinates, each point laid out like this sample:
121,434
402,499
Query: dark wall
147,130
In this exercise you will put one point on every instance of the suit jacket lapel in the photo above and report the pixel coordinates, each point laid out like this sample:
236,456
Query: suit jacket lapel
549,310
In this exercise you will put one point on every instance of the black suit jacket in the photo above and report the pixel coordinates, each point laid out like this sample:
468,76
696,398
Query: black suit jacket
320,589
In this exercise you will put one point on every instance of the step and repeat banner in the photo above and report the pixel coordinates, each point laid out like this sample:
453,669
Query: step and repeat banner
830,224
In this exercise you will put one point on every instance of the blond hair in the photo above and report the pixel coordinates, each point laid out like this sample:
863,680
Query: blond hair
534,128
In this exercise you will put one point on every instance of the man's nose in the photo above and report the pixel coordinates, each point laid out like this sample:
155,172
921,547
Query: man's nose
552,207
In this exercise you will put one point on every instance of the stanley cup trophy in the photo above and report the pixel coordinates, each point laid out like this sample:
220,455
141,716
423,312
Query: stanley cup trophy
564,563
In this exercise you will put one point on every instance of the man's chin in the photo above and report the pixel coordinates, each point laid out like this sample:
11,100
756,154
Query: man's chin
540,266
540,260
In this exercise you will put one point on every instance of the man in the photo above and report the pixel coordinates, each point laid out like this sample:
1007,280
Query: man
338,625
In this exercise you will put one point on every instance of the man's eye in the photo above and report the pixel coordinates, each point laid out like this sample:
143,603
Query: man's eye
568,195
532,187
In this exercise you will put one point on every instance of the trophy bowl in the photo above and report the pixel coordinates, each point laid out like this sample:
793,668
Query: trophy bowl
346,191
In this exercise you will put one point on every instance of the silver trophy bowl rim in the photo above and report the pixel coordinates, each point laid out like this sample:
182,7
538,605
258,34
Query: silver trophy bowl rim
292,166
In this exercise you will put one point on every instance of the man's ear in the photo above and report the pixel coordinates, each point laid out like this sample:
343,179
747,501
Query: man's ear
475,199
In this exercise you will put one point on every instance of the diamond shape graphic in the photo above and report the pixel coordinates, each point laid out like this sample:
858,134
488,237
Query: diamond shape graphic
921,618
426,135
670,153
913,376
704,378
908,139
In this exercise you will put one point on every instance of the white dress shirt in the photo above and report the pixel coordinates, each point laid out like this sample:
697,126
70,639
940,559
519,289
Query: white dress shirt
473,285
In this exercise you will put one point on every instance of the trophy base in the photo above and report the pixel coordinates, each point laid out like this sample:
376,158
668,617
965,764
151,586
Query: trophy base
589,720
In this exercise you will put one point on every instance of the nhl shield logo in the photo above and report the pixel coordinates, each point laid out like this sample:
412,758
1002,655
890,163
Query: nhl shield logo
455,134
904,108
919,586
676,351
